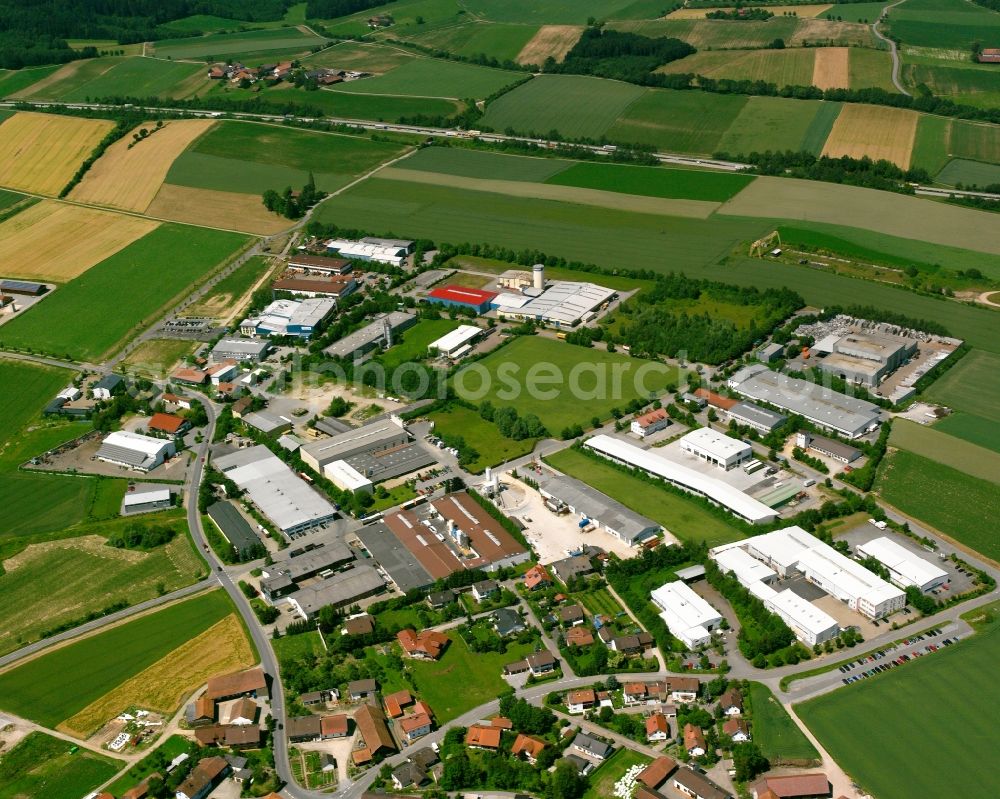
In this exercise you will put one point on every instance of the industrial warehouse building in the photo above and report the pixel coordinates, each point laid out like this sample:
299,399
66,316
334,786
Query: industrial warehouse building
470,299
24,287
562,493
562,304
376,334
753,416
906,568
719,492
301,286
239,349
716,448
135,451
270,424
347,478
689,617
377,451
319,264
143,499
864,357
818,404
415,547
281,578
830,447
792,550
384,251
289,318
458,342
234,527
339,590
281,495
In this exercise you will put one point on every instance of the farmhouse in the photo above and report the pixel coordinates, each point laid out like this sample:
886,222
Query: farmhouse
371,727
209,772
239,349
335,726
718,491
751,415
716,448
649,423
288,501
905,567
458,342
463,297
656,773
378,333
822,406
237,684
792,786
561,493
289,318
106,386
696,785
25,288
135,451
689,617
361,689
988,55
302,728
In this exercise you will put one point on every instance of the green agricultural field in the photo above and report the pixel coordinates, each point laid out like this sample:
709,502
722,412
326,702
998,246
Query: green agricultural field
136,77
222,297
971,385
40,765
951,24
855,12
975,141
654,181
932,443
561,12
125,291
252,158
945,498
415,341
599,602
12,81
779,738
584,233
481,435
602,782
967,83
481,680
774,123
930,148
584,386
495,40
361,56
969,427
484,164
715,34
9,198
683,517
791,67
59,684
475,263
678,121
225,45
573,105
432,77
894,708
820,289
66,580
68,77
969,173
870,68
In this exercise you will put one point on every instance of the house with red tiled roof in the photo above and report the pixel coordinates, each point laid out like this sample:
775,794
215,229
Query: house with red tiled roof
737,729
536,577
657,727
694,740
395,702
481,737
793,786
167,423
528,747
425,645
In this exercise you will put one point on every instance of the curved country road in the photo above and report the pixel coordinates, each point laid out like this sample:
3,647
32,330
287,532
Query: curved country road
893,50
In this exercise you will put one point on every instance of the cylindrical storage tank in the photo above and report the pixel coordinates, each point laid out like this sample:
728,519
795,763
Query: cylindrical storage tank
538,277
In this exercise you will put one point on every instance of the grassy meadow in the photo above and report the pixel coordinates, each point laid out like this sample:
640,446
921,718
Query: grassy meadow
481,435
429,77
779,738
42,765
935,444
971,386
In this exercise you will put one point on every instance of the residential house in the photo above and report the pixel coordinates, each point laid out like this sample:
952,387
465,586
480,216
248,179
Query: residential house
694,740
479,736
507,621
502,723
656,773
167,423
657,727
335,726
360,690
484,589
737,729
176,401
581,700
313,698
591,746
396,702
632,644
362,624
579,636
245,736
731,702
203,778
571,615
194,377
536,577
792,786
415,725
408,775
303,728
682,689
439,599
571,568
540,663
528,747
425,645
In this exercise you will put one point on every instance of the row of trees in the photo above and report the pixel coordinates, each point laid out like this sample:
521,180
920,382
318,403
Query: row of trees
510,424
620,56
142,536
292,205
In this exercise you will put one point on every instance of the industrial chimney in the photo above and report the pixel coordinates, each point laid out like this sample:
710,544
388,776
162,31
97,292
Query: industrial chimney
538,277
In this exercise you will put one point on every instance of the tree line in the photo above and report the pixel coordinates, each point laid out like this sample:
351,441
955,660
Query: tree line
619,55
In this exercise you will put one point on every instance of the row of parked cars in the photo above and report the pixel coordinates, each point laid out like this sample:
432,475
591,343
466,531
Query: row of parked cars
885,659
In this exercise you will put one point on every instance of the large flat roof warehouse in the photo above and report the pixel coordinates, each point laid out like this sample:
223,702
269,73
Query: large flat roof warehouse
371,335
810,624
687,615
320,263
607,512
743,566
716,447
456,339
134,450
685,477
751,414
239,349
369,438
338,590
906,568
394,558
289,317
563,303
287,500
819,404
346,477
462,295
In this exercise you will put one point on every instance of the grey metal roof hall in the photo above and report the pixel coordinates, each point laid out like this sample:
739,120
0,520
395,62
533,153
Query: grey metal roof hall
395,559
592,503
234,527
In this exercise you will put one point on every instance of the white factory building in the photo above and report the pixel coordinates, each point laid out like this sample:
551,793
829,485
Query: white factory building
458,342
347,478
743,566
383,251
690,618
280,494
712,488
562,303
906,568
135,451
716,448
793,550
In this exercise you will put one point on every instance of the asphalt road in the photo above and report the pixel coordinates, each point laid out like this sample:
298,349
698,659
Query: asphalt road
893,50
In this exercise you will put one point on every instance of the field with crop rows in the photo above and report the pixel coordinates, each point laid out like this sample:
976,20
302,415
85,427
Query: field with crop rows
937,445
222,45
976,429
945,24
969,173
971,385
781,67
430,77
975,141
778,124
876,131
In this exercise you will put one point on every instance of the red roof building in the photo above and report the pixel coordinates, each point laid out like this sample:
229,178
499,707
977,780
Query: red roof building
990,55
186,375
716,400
425,645
479,737
462,297
167,423
536,577
394,703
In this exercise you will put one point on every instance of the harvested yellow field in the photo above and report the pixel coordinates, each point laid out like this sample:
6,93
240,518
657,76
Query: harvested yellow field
876,131
816,32
55,241
223,209
551,40
39,153
130,172
830,69
162,687
803,12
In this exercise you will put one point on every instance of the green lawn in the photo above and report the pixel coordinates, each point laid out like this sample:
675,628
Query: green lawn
290,648
416,340
41,765
55,686
653,181
484,164
779,738
571,385
479,673
937,445
602,781
252,158
584,233
972,385
431,77
481,435
222,45
573,105
945,498
969,427
896,727
125,291
681,516
220,298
